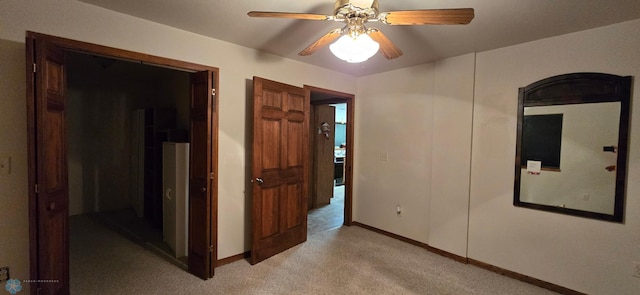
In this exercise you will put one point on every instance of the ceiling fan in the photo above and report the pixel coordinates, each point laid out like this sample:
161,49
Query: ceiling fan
355,13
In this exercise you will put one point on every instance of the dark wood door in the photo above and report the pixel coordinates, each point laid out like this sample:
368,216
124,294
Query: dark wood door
202,232
48,158
279,168
323,165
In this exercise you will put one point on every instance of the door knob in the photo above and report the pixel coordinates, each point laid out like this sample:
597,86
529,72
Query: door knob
203,189
259,180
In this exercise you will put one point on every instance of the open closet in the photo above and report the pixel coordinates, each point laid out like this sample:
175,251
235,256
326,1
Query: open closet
128,150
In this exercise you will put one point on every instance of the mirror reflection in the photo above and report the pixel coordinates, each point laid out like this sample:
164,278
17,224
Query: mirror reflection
584,178
572,145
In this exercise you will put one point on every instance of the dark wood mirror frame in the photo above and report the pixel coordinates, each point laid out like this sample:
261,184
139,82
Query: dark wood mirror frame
577,88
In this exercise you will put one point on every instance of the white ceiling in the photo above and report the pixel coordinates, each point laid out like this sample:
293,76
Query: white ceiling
497,23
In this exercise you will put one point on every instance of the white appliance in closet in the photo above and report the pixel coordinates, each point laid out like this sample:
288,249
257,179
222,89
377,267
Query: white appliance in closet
175,187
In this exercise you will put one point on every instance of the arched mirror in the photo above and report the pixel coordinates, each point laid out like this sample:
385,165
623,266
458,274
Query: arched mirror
571,150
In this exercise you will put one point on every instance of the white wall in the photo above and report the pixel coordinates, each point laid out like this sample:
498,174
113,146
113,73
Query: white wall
79,21
341,112
451,158
425,127
393,129
590,256
14,218
421,116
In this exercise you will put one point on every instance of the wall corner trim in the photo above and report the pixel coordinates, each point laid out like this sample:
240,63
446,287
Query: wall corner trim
524,278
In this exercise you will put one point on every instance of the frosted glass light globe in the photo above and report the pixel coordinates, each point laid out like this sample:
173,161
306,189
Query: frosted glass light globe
354,50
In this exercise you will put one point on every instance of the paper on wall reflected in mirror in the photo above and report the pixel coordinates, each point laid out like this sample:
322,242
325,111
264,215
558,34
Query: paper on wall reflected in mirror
534,167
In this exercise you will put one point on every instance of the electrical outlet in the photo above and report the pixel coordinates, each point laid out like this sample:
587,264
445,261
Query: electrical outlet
636,269
4,274
383,156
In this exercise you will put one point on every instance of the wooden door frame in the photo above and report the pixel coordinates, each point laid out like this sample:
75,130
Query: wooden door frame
69,45
341,97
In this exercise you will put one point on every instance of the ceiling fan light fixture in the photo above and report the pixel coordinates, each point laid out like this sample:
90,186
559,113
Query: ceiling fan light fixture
359,43
354,49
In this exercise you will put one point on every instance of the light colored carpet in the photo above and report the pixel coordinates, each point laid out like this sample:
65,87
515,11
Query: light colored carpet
139,230
346,260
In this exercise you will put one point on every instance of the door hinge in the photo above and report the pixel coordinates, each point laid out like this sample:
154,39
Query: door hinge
34,67
37,188
211,175
213,92
211,248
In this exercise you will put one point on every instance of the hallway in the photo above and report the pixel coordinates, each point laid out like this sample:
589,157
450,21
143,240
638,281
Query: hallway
328,217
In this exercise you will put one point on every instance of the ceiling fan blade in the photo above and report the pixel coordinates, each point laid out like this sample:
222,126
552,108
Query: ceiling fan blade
323,41
389,50
459,16
308,16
